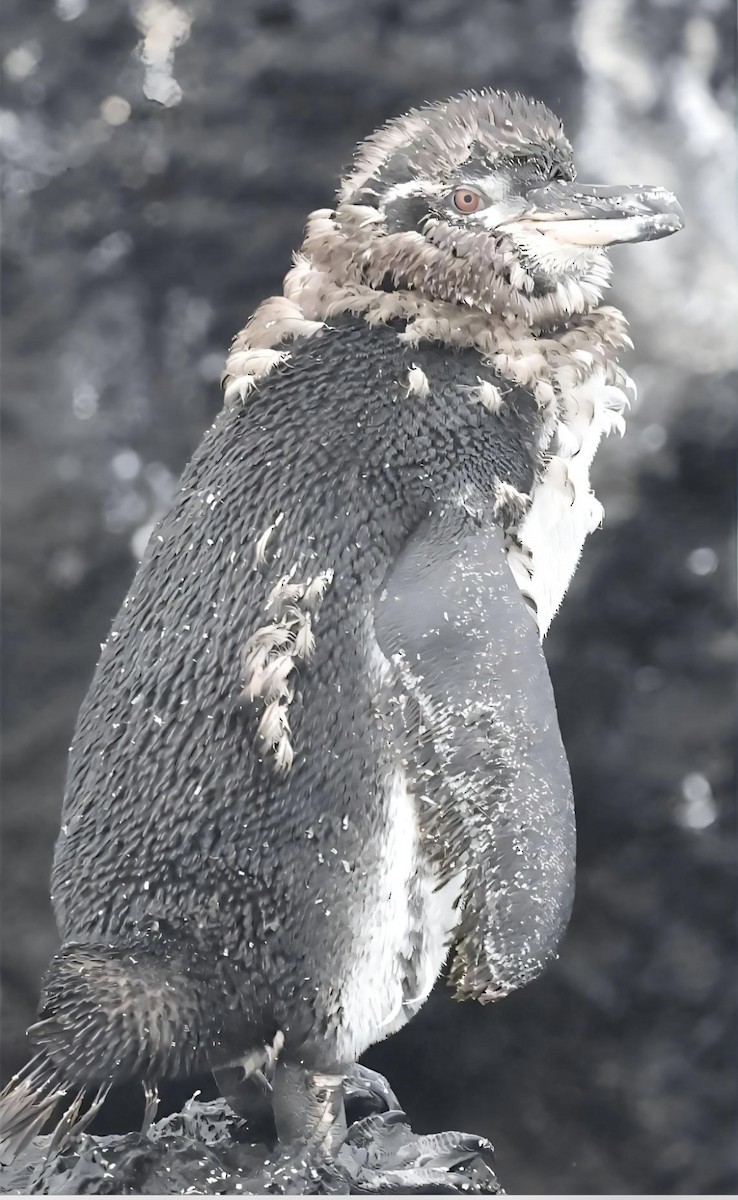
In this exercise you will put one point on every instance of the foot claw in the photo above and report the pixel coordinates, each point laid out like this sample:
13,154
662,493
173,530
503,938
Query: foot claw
387,1157
367,1092
151,1107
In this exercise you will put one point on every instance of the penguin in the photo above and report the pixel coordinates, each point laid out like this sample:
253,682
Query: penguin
320,753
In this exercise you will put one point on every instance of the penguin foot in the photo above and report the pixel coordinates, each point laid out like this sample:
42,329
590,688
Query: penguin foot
366,1092
383,1156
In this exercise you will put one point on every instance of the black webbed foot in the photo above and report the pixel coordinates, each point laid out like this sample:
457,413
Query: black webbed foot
382,1156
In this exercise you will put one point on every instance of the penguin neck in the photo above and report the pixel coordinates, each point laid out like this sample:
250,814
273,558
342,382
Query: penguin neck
571,370
550,361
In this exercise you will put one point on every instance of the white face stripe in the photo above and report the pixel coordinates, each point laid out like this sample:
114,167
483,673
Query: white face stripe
492,188
413,187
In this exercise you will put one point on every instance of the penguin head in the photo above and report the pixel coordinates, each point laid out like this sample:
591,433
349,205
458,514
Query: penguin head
474,201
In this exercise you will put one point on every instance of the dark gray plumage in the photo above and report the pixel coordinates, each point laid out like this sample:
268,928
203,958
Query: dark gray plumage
321,745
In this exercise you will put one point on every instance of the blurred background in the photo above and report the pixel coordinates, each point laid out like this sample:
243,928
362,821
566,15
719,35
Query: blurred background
160,159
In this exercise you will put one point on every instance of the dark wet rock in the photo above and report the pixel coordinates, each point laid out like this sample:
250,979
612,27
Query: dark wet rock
206,1149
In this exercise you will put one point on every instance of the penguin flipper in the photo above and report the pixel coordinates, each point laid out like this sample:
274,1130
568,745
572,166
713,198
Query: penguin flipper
474,708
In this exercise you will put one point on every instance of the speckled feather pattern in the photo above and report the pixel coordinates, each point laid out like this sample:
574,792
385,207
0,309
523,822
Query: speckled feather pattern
173,808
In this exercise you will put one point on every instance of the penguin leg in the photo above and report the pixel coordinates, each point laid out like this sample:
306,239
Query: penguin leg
365,1093
250,1098
309,1107
245,1084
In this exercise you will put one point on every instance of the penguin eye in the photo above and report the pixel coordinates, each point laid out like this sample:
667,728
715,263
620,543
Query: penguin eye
466,200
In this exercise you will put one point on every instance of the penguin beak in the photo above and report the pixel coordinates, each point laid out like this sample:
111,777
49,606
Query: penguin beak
598,215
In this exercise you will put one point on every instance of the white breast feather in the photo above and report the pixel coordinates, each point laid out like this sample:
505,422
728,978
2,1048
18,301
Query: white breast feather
563,509
374,1002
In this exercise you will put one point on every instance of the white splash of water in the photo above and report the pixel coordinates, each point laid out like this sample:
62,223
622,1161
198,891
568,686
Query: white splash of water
697,809
164,27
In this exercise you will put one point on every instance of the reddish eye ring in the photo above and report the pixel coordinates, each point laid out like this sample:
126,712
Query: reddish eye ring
465,200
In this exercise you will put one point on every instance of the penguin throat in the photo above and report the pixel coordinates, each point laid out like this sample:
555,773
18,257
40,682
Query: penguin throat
570,369
472,271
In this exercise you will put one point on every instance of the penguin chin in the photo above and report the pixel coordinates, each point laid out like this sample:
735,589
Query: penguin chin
567,278
554,261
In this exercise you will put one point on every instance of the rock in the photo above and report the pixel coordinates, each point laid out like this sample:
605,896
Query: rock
206,1149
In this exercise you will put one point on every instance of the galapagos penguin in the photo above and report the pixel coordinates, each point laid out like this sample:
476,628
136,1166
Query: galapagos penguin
320,751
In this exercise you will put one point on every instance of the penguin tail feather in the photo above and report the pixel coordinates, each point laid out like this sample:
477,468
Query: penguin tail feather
27,1103
109,1013
112,1012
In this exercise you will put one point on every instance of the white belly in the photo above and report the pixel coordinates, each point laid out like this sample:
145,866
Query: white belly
403,937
